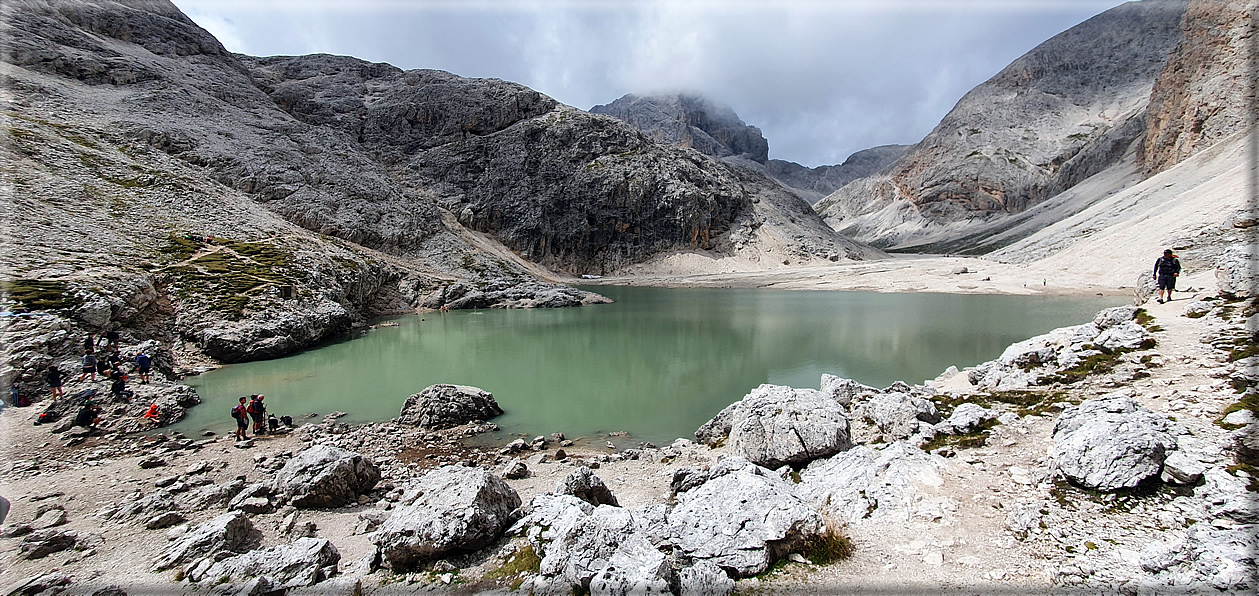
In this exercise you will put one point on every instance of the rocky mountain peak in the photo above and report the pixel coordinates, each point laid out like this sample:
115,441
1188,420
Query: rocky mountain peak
690,120
1069,108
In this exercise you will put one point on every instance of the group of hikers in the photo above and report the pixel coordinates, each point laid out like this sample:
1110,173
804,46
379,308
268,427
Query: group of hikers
100,357
256,411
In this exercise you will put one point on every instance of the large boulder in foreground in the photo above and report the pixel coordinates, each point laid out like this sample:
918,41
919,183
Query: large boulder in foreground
305,562
870,483
326,476
742,519
446,406
1111,442
776,425
227,533
451,509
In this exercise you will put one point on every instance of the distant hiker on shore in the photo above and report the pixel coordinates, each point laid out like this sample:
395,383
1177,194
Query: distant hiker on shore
258,412
89,364
143,365
89,343
153,415
239,414
54,380
1166,269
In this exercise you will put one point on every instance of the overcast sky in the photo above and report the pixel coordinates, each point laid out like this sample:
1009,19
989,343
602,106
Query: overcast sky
821,78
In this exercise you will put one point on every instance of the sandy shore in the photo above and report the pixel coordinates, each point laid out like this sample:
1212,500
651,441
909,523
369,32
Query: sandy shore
906,273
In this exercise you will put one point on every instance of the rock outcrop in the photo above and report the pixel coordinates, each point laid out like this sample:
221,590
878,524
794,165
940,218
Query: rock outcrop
584,485
446,406
325,476
775,425
451,509
690,121
304,562
743,518
1110,443
713,129
228,533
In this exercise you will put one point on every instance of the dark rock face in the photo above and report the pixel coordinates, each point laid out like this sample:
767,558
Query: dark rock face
1065,110
690,121
812,184
445,406
712,129
1199,97
584,485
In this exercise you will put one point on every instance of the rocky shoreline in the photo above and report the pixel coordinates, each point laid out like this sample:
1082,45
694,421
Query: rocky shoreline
1113,455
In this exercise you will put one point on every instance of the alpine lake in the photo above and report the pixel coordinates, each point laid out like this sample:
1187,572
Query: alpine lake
657,363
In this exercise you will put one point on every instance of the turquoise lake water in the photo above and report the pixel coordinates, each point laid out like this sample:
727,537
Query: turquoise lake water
656,363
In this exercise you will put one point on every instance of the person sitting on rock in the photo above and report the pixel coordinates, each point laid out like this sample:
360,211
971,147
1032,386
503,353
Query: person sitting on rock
111,340
119,388
88,417
258,412
153,416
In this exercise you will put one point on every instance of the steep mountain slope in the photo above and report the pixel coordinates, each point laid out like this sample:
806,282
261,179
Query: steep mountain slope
245,208
714,129
1064,111
574,191
1206,91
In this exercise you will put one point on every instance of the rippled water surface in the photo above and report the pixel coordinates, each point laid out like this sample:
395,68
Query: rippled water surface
657,363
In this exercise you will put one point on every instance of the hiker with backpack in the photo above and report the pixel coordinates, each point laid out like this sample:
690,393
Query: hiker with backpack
258,412
1166,269
144,364
239,414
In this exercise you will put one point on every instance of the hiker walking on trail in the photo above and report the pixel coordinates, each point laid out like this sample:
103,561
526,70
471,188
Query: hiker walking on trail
1166,269
258,412
239,414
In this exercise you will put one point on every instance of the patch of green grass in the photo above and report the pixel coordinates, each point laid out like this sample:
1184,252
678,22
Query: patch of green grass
227,280
831,546
1249,401
1025,402
1196,315
1144,318
1244,348
39,294
1252,471
178,248
1096,364
471,264
976,437
517,567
